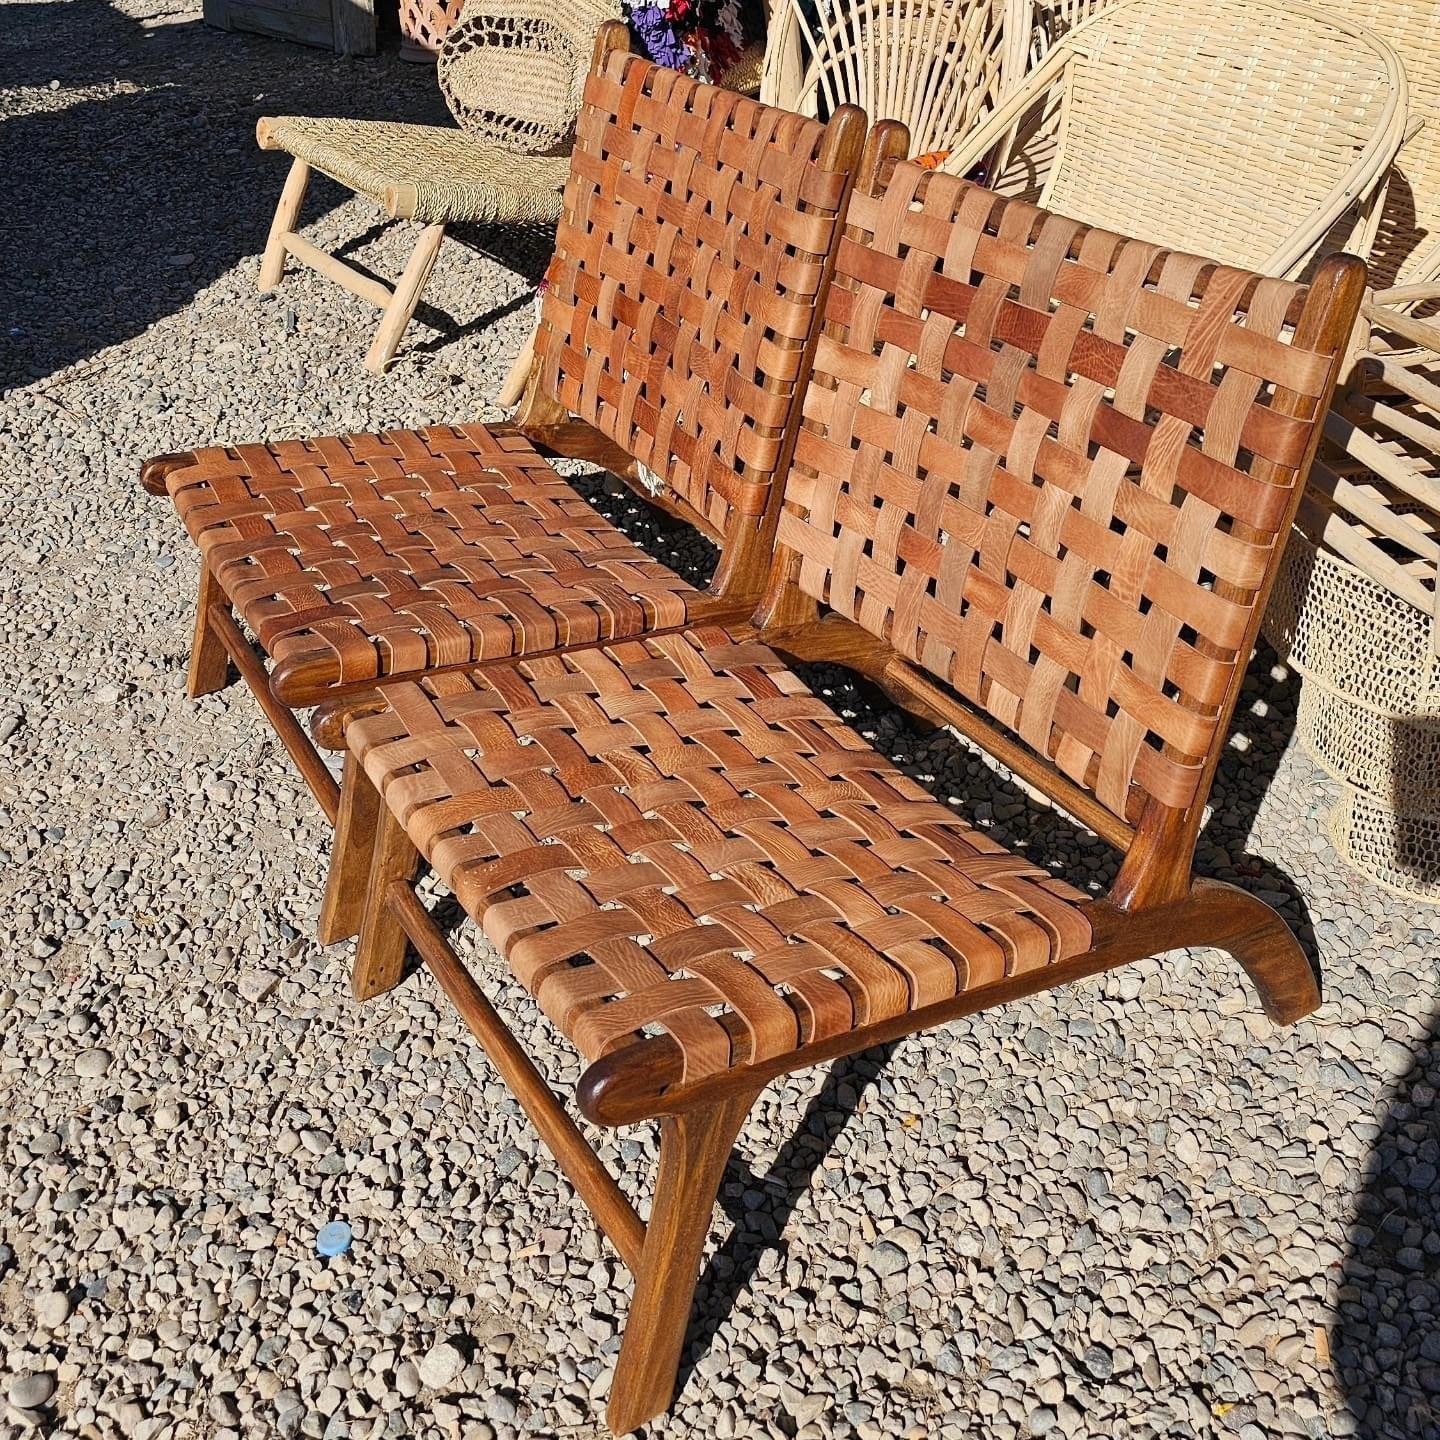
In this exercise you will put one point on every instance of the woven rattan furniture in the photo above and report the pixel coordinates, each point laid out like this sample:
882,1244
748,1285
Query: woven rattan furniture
1041,491
1243,128
1355,611
512,72
424,24
938,66
696,241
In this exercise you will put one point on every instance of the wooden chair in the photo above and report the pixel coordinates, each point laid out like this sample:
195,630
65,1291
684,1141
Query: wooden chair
511,72
1040,493
1242,128
696,242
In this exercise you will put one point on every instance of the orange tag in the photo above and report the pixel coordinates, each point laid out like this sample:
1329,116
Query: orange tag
933,161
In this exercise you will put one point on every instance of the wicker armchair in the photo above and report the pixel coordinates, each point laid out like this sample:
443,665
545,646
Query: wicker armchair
1190,116
512,73
1355,609
938,66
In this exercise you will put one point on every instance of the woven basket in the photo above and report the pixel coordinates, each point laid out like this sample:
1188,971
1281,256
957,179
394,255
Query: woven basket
1369,712
1399,852
513,71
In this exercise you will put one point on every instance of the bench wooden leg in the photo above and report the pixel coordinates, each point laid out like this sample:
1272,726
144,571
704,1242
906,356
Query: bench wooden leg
209,662
694,1148
343,912
514,386
292,197
406,297
380,957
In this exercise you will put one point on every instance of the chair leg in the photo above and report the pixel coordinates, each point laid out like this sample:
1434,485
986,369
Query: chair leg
209,660
406,297
694,1147
292,197
514,385
380,957
1274,960
343,912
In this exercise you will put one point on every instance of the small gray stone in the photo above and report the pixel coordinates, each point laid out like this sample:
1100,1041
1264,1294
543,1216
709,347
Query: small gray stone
30,1392
92,1064
500,1408
255,985
52,1310
441,1364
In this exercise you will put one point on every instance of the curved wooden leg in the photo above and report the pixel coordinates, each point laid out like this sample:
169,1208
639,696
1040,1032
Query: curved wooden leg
209,660
694,1147
343,912
404,300
292,197
1266,947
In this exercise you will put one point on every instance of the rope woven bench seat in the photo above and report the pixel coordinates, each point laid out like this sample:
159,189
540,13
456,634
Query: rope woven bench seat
361,556
424,172
673,833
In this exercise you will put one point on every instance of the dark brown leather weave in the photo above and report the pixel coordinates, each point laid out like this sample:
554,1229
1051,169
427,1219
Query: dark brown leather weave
673,832
1027,448
687,268
382,554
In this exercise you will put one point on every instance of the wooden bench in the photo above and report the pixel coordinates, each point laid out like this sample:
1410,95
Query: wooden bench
696,243
1040,494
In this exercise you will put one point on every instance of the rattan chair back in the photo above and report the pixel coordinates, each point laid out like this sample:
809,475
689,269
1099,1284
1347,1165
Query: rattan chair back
1407,248
938,66
682,303
1241,128
1050,468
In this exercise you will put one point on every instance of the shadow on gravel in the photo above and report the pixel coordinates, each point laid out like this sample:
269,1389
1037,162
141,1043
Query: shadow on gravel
143,183
1386,1341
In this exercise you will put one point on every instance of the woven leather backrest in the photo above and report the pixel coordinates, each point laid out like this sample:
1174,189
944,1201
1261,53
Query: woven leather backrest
1031,455
685,281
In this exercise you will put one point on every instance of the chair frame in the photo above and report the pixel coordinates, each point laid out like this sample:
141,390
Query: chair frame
745,543
1155,905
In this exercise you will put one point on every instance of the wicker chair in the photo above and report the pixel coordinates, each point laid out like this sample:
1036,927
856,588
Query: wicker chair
1041,491
937,66
1356,607
511,72
1242,128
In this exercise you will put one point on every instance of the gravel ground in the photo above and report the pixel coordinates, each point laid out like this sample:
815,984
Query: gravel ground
1128,1209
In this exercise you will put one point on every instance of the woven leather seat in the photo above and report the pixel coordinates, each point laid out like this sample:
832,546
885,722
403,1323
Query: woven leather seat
424,172
673,833
362,556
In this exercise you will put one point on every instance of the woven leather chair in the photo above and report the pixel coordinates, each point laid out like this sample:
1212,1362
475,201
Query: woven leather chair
1242,128
1041,490
511,72
696,242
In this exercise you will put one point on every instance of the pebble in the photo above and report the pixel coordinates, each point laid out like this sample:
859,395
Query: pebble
52,1310
92,1064
255,985
441,1365
30,1392
1066,1211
